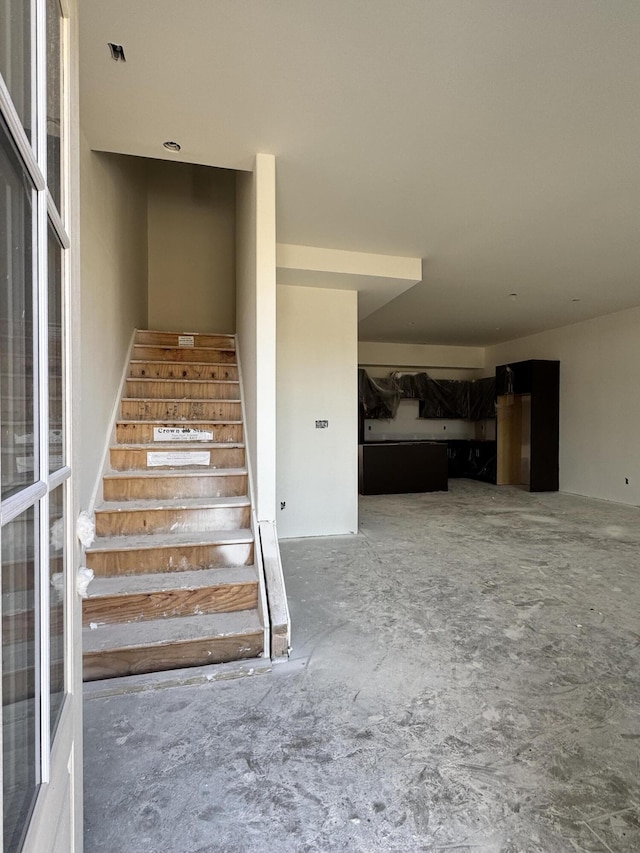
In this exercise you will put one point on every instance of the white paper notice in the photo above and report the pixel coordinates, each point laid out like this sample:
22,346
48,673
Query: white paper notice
178,457
181,434
185,340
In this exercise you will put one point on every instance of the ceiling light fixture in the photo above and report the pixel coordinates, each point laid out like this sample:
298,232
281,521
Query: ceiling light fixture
117,52
171,146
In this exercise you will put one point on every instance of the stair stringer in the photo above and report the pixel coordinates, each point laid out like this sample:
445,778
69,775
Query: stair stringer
273,606
110,435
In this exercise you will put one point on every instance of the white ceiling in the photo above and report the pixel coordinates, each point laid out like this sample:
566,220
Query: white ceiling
497,139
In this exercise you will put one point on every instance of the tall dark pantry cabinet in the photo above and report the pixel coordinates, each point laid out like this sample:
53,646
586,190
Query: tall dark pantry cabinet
528,424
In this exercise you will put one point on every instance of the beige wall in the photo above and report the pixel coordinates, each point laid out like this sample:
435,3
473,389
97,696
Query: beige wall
191,216
317,469
599,401
113,291
256,321
418,356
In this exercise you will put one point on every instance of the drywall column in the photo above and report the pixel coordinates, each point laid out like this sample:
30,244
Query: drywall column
317,466
256,323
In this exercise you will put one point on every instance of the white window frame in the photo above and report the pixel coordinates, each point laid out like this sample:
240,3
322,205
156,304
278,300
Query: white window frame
33,156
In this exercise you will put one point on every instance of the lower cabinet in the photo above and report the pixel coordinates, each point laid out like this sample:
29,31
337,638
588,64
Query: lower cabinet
388,468
475,460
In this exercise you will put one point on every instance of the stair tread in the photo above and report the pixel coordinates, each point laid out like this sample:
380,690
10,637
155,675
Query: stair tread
230,338
181,379
140,504
187,472
148,541
175,399
230,348
174,629
183,364
179,445
181,422
166,581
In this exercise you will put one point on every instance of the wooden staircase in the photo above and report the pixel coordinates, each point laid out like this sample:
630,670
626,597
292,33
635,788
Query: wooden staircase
178,580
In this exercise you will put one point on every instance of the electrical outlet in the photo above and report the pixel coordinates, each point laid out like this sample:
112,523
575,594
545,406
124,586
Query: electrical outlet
283,504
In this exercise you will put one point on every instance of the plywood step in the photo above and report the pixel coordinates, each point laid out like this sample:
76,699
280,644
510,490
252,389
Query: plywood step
172,339
173,409
206,483
178,370
161,432
129,457
203,355
111,556
192,389
191,515
137,597
155,645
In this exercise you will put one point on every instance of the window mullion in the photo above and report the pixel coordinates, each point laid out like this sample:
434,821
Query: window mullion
19,137
57,223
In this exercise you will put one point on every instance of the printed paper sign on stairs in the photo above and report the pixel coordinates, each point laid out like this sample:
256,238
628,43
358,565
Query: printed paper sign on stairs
178,457
181,434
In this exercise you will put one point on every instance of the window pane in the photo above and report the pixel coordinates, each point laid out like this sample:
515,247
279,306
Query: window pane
16,323
54,151
15,56
56,601
18,675
56,388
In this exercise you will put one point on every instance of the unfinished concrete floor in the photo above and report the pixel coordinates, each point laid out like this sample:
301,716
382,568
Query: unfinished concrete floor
464,678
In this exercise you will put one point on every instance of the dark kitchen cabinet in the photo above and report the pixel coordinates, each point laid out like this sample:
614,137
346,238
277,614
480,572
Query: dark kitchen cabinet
473,459
402,467
528,424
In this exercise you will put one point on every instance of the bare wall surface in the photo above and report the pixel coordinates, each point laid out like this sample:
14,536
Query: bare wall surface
463,678
113,206
599,401
191,248
256,323
317,380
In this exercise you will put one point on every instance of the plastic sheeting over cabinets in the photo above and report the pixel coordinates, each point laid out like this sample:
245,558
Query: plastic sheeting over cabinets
439,398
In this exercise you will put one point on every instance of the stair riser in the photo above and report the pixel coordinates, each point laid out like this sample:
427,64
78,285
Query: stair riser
20,627
136,460
191,389
171,339
185,354
167,370
141,433
113,664
174,487
20,685
174,520
198,410
179,602
170,559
